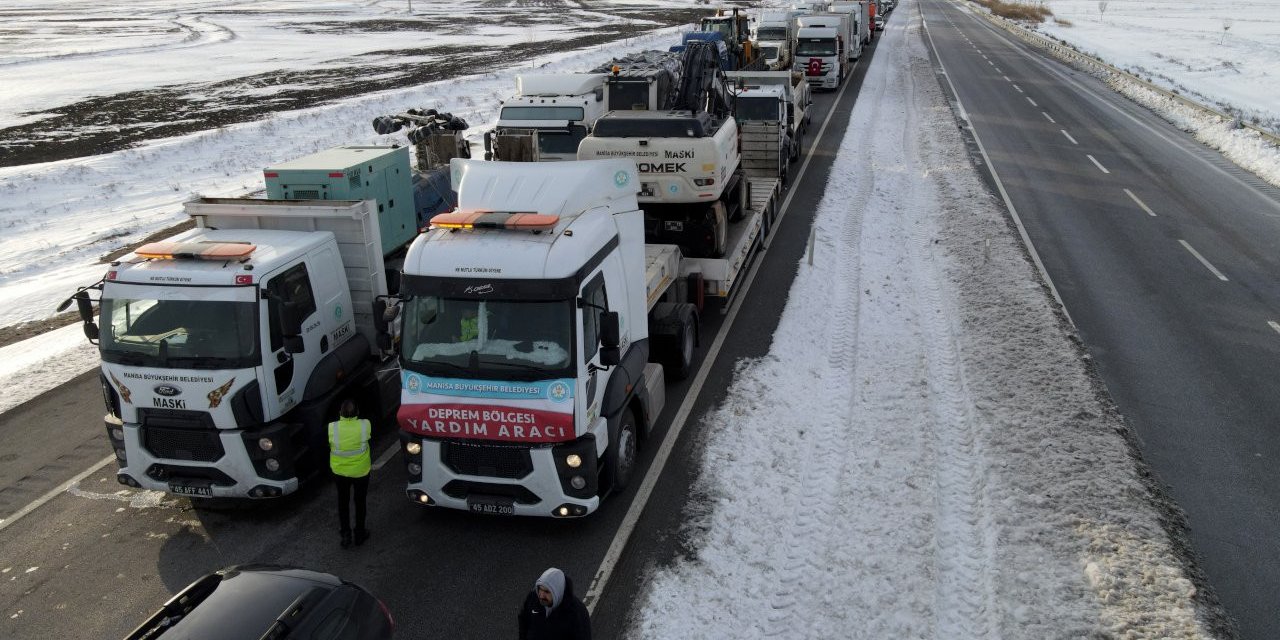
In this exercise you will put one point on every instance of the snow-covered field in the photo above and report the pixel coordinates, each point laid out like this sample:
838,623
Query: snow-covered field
924,452
1225,55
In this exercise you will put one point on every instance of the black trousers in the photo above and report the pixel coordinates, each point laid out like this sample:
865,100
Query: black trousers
345,485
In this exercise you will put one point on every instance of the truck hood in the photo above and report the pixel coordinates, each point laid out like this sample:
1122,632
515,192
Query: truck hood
204,391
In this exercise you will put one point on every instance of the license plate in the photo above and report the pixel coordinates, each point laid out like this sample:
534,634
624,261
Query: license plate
646,190
492,506
673,225
191,490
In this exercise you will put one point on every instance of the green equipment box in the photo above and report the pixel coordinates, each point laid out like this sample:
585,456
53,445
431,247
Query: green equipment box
354,173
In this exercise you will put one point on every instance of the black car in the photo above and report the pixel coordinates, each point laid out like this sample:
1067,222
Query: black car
269,602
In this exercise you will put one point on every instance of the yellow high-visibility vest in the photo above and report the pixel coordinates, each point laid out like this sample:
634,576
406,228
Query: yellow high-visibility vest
349,447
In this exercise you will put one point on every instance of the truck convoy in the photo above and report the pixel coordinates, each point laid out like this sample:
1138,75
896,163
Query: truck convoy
547,117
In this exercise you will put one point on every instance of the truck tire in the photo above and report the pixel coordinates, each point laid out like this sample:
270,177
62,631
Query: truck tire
677,357
620,458
798,147
720,229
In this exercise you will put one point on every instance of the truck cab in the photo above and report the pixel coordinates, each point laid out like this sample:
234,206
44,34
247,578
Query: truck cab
820,56
526,341
547,117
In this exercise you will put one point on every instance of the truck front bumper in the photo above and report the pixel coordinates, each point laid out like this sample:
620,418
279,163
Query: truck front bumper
230,475
539,490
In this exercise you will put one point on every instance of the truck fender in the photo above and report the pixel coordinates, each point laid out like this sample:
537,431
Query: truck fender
624,382
337,366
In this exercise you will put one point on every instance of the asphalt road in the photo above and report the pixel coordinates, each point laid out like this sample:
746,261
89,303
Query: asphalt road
1165,257
98,558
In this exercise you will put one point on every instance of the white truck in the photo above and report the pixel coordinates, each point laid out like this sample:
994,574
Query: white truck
863,23
796,95
775,32
227,349
845,24
820,56
547,117
539,330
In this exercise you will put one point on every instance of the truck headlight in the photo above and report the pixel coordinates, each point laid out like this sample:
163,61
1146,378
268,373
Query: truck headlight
271,463
578,482
413,448
266,445
704,182
414,468
574,461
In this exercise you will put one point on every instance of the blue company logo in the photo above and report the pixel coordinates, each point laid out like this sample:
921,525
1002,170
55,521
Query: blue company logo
337,311
413,383
167,390
558,391
621,178
673,188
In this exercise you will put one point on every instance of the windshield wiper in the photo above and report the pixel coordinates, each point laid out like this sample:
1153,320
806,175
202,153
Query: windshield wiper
518,365
127,357
204,362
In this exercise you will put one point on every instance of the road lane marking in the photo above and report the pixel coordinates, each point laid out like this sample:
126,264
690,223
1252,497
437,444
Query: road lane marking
1006,79
1004,194
991,63
632,517
39,502
1141,203
1274,325
1073,140
386,456
1204,262
1033,102
1046,115
1097,164
1018,89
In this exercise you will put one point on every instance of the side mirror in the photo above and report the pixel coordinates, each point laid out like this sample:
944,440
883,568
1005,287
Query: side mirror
610,356
91,331
380,316
610,331
290,320
294,344
85,306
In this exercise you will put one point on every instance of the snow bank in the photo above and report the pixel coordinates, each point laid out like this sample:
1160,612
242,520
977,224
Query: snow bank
924,452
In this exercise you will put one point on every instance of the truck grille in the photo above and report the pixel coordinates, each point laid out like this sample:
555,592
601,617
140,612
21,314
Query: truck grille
492,461
198,445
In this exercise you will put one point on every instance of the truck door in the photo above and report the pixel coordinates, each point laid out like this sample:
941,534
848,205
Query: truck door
293,284
596,298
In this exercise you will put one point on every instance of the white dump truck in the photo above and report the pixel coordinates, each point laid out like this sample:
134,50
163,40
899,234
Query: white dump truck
539,329
227,349
547,117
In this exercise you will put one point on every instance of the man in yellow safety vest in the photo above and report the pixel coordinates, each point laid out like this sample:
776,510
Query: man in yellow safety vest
350,461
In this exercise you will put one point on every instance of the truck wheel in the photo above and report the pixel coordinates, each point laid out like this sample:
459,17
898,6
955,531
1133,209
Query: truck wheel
620,459
679,361
798,149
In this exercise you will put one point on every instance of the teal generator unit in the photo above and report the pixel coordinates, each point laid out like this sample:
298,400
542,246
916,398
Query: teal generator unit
354,173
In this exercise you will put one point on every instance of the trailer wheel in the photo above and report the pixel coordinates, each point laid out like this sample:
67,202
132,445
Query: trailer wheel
677,360
798,147
620,458
720,222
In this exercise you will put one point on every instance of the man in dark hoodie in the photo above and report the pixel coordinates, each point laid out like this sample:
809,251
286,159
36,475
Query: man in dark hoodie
552,612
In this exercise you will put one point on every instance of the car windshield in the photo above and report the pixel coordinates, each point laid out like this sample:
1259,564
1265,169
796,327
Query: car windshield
488,338
243,605
771,33
815,48
180,334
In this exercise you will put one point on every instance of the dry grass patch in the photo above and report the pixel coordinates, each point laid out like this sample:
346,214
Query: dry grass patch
1017,11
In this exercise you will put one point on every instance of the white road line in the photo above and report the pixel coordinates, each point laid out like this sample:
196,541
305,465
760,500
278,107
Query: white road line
984,56
1049,117
998,70
1274,325
39,502
386,456
991,63
628,525
1006,79
1004,194
1017,88
1073,140
1033,102
1141,203
1097,164
1204,262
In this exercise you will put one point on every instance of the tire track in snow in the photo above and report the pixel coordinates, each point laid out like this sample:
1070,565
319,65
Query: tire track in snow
964,597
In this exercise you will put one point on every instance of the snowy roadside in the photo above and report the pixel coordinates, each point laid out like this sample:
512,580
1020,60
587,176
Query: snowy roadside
924,452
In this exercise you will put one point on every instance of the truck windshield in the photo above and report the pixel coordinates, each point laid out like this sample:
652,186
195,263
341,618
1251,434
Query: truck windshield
766,34
542,113
769,53
492,339
180,334
757,109
815,48
560,141
722,27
